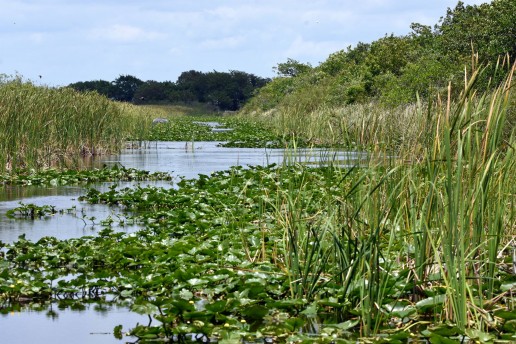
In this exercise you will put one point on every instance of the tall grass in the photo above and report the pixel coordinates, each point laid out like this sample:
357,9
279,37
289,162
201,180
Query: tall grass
439,215
42,126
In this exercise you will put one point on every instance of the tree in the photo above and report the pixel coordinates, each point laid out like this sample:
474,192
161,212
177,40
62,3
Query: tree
100,86
486,29
292,68
124,87
153,91
389,54
194,82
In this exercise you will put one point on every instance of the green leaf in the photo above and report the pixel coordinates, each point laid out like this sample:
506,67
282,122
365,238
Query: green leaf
482,337
311,310
510,326
185,294
197,281
508,286
117,332
255,312
144,308
437,339
346,325
430,302
217,306
294,323
445,330
506,315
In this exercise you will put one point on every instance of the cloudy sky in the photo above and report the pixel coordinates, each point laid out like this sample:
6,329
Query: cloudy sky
66,41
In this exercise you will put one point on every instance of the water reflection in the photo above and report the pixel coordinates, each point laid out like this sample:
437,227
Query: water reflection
189,159
83,323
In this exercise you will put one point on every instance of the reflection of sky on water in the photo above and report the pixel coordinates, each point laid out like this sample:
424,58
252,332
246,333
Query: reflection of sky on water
53,325
191,159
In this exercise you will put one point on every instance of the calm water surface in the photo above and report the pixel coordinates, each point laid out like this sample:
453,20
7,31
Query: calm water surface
181,159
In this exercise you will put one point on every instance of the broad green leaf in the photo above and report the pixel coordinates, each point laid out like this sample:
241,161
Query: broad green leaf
430,303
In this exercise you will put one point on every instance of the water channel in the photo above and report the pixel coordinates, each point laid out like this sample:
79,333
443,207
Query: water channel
181,159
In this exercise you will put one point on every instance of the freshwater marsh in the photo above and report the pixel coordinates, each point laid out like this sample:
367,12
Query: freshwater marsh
306,248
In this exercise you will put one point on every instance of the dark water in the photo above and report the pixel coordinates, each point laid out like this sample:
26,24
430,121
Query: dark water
184,159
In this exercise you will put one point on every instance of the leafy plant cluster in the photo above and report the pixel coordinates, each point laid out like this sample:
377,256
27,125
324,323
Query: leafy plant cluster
222,90
394,69
229,130
53,177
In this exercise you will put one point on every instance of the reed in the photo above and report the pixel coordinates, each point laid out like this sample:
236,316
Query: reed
448,212
42,126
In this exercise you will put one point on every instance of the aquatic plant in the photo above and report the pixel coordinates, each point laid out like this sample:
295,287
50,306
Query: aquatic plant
240,132
55,177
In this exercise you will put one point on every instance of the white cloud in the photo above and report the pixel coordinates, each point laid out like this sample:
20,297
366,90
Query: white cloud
223,43
125,33
308,49
159,39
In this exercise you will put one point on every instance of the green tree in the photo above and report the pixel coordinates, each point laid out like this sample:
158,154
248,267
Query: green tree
153,91
486,29
390,54
124,87
292,68
100,86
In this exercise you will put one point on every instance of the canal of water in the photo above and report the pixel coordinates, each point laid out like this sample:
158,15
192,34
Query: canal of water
181,159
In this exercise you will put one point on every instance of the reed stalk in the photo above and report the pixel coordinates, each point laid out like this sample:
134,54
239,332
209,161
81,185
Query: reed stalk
447,199
43,126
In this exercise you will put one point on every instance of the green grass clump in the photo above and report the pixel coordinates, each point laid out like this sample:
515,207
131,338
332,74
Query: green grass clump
42,127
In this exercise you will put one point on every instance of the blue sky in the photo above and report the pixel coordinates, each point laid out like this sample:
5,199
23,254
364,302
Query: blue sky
66,41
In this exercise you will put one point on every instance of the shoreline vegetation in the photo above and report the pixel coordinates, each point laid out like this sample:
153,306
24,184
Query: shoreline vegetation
42,127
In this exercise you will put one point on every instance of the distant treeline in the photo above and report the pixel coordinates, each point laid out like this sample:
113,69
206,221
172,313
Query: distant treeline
222,90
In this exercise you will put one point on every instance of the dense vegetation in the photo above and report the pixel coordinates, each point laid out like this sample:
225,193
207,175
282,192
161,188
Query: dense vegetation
394,69
223,91
41,127
412,245
386,252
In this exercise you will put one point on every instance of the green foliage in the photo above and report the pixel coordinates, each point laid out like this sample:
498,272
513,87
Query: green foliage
223,91
488,29
124,87
394,70
101,86
53,177
231,131
271,94
292,68
263,251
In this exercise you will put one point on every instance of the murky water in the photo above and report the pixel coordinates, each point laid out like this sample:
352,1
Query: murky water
181,159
